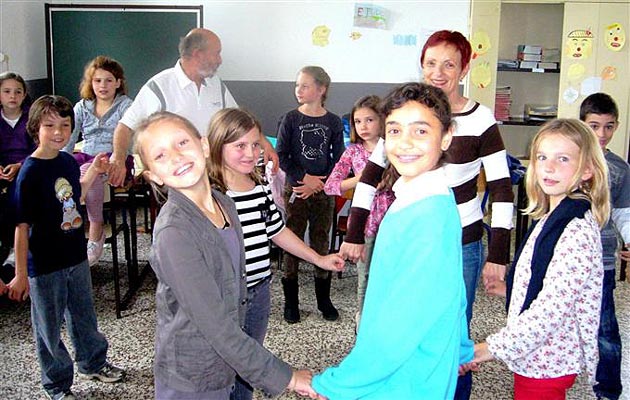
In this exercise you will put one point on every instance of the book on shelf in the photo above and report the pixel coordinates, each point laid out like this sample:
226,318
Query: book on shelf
529,48
548,65
527,64
540,112
551,54
529,57
503,63
502,103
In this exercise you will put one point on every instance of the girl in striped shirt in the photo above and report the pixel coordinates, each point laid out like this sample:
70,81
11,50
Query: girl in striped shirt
235,139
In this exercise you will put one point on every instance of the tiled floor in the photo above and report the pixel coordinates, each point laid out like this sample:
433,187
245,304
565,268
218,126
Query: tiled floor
314,343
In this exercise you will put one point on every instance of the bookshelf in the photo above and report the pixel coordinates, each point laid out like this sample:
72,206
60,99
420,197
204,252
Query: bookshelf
534,24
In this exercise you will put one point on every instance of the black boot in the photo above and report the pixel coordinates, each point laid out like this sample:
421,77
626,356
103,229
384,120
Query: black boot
291,301
322,292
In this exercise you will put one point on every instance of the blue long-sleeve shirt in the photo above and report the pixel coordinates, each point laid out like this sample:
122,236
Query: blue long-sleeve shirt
413,334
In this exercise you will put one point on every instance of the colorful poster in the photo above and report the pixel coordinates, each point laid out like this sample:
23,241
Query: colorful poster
579,45
320,35
615,37
480,42
480,75
609,73
370,16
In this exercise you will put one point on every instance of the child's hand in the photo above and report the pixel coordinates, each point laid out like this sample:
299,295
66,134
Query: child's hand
482,354
10,171
100,163
331,262
301,383
353,252
303,192
18,288
496,288
624,254
316,183
465,368
492,272
3,288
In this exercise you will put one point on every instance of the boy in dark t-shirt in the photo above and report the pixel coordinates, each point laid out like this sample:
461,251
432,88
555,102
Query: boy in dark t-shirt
50,248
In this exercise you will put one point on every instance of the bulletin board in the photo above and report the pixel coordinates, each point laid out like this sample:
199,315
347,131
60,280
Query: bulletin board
143,39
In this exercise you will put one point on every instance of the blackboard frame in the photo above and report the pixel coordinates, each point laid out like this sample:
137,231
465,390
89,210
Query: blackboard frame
66,83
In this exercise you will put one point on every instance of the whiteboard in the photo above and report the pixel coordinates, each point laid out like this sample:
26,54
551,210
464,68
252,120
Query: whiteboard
272,40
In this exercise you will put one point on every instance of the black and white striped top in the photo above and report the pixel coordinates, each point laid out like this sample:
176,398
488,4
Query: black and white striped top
261,220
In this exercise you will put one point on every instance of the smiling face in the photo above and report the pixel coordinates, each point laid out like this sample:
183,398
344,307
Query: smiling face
604,126
54,133
105,85
12,95
414,139
240,157
556,167
174,156
307,91
442,68
367,124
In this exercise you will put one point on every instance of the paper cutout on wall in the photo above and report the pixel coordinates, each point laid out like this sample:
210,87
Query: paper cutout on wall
355,35
575,72
320,35
481,75
570,95
609,73
480,42
615,37
590,85
370,16
405,40
580,44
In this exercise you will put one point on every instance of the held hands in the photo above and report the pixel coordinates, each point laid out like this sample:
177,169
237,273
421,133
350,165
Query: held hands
624,255
3,288
117,170
101,164
10,171
353,252
482,354
494,279
331,262
301,384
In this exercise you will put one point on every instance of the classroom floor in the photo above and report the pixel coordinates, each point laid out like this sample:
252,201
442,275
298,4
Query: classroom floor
314,343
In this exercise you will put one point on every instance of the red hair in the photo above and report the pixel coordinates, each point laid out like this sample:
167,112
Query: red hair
452,38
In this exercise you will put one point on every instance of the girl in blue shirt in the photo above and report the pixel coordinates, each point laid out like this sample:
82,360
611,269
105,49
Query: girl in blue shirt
413,334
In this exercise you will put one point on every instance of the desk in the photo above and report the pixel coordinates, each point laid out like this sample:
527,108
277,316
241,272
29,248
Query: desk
124,204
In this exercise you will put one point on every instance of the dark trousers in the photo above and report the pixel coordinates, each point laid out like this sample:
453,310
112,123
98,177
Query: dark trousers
314,213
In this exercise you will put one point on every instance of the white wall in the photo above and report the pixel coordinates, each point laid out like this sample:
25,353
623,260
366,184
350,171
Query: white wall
269,40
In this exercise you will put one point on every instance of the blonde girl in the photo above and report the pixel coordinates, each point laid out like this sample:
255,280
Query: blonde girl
199,259
103,102
555,285
366,128
235,145
310,142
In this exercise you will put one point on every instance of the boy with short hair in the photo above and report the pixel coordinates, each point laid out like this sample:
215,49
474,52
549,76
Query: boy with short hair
50,240
600,112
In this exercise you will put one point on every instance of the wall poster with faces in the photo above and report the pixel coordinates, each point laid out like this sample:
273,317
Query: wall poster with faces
614,37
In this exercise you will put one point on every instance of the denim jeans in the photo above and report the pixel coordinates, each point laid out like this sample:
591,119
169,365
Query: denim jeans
609,368
256,321
65,293
473,257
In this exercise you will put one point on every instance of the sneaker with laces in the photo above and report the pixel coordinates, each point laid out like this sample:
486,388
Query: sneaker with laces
67,395
108,374
95,250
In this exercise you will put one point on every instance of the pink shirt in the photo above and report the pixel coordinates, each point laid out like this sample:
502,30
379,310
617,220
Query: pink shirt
557,334
354,158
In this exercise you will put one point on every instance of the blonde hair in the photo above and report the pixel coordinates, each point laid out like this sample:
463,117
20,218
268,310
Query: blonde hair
595,189
321,78
227,126
153,119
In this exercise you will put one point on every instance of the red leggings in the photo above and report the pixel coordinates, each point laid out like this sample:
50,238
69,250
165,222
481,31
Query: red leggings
542,389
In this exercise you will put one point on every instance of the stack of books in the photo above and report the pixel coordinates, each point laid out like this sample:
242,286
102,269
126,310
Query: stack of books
540,112
502,103
529,56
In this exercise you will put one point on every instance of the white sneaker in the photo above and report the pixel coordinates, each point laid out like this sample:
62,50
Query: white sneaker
95,250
